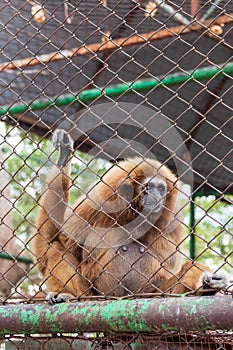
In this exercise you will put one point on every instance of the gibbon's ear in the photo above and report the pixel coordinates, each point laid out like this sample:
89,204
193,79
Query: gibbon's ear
126,191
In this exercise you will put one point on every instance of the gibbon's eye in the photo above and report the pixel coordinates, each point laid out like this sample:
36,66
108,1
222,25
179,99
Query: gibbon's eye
161,188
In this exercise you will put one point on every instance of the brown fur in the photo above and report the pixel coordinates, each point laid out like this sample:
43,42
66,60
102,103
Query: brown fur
74,261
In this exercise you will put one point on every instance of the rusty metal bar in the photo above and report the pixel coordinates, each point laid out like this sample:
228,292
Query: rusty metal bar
139,315
195,6
113,44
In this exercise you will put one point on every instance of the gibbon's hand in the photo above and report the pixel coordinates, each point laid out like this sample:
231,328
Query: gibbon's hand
64,143
214,280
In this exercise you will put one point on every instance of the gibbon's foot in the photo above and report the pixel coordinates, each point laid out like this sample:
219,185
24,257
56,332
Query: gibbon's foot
215,281
55,298
63,142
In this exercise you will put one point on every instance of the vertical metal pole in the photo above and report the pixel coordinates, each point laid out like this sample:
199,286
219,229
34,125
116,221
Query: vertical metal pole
192,252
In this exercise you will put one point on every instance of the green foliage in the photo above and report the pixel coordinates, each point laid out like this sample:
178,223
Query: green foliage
22,160
214,231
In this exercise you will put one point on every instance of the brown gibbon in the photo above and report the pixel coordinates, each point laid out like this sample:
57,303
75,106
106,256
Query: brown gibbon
123,237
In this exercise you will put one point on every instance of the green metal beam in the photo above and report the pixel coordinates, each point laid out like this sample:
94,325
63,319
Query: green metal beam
119,89
192,252
137,315
22,259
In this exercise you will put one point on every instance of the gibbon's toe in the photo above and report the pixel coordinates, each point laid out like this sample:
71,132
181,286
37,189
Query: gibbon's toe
214,280
63,142
55,298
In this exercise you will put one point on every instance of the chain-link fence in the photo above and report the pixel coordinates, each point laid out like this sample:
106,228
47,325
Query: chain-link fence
131,201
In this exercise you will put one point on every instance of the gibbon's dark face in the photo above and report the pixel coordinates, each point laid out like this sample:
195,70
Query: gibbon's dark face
135,186
153,195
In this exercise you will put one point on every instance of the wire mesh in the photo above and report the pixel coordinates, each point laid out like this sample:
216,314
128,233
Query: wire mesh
138,342
144,79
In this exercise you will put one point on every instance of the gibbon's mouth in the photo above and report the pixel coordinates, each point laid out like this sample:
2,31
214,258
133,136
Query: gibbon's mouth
152,207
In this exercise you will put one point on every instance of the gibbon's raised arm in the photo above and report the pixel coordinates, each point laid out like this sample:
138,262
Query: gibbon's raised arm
54,199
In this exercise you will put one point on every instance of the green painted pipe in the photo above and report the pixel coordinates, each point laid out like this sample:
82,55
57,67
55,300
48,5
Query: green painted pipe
192,246
118,316
119,89
171,11
212,8
22,259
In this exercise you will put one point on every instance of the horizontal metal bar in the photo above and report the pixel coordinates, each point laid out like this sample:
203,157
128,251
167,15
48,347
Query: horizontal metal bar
119,89
137,315
8,256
